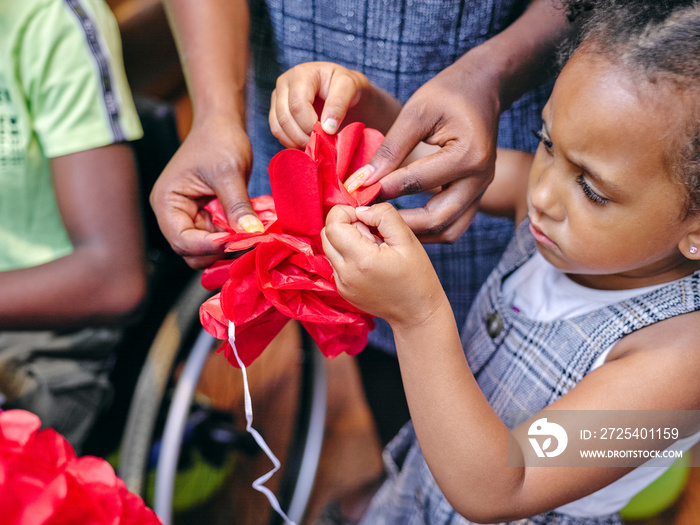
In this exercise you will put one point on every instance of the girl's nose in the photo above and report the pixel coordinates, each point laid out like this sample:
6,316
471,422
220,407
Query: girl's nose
545,196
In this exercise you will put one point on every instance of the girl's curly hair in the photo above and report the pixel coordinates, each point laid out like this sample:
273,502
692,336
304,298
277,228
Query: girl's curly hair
657,41
574,8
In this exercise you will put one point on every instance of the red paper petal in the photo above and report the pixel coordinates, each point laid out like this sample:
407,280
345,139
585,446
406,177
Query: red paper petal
36,502
264,206
253,337
134,512
348,140
286,274
321,146
43,483
242,302
281,267
367,145
241,299
50,448
364,195
355,147
17,428
334,340
297,192
216,275
93,492
212,317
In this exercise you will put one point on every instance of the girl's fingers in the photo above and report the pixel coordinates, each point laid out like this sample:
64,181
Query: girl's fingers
390,225
348,237
333,255
364,230
340,233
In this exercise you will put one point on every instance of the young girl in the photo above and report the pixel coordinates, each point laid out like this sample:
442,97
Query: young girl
594,306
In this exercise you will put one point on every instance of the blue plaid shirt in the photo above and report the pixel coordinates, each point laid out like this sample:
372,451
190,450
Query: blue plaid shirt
399,45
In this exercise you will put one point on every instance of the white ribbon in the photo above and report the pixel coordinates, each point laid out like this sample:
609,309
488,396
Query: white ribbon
258,483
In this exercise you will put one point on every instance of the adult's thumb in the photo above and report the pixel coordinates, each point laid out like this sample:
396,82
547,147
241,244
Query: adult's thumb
404,135
239,212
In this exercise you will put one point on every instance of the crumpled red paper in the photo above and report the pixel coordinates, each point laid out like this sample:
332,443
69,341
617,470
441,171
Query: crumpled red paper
285,274
42,482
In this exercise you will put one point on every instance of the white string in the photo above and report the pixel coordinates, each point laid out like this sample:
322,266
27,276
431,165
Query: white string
258,483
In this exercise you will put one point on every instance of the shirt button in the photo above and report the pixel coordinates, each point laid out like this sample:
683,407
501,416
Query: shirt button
494,324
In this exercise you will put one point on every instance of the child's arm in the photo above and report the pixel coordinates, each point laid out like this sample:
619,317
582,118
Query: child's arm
103,280
342,95
506,196
465,444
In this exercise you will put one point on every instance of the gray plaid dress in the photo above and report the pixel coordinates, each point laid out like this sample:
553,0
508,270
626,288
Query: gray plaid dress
399,45
521,366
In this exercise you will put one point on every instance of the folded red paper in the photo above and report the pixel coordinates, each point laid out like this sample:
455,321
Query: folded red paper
286,275
42,482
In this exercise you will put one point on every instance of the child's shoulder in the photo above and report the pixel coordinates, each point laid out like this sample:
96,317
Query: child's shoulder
670,351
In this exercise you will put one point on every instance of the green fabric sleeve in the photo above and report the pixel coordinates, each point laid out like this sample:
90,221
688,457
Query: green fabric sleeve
76,87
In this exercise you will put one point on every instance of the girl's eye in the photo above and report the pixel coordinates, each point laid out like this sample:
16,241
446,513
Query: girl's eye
539,135
588,191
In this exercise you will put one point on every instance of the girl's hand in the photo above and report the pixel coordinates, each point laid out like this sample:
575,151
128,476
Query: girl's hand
387,274
335,91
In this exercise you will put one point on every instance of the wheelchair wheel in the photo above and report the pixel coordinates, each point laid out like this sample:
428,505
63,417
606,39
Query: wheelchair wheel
163,406
175,334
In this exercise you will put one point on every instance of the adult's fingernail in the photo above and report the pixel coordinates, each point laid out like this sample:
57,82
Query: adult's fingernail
355,180
251,224
330,125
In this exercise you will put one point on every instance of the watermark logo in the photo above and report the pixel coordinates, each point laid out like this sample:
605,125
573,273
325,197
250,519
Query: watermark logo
546,429
601,438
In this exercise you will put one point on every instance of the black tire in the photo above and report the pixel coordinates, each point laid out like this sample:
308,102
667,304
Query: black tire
175,334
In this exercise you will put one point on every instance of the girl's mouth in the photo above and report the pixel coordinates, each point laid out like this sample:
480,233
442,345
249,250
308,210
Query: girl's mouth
540,237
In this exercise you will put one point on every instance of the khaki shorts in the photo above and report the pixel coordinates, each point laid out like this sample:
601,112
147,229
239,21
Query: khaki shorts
61,377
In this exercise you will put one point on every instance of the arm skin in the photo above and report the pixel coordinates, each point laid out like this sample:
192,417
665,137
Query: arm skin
458,110
104,280
506,195
216,157
292,117
464,442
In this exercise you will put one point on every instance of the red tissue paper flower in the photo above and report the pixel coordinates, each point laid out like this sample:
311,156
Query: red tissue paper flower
286,275
42,482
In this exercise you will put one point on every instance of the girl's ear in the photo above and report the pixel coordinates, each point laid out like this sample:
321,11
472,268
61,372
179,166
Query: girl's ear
690,243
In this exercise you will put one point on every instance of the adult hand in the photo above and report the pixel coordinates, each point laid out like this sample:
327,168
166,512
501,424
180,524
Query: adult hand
338,94
457,110
214,160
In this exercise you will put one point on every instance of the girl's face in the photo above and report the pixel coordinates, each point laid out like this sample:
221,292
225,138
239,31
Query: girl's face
603,201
